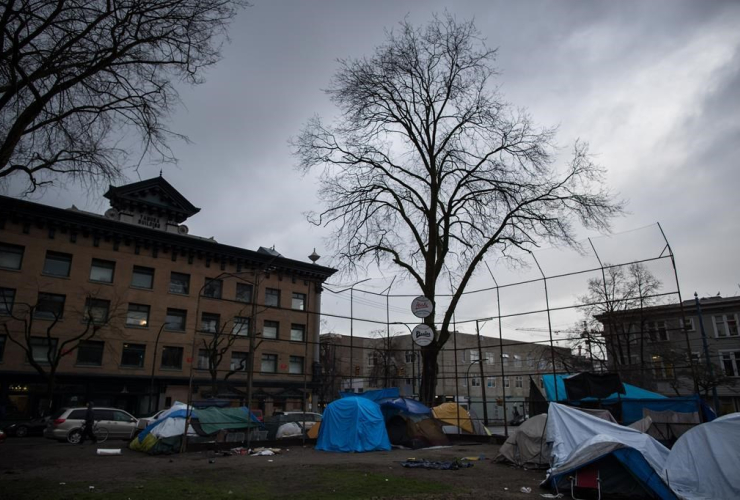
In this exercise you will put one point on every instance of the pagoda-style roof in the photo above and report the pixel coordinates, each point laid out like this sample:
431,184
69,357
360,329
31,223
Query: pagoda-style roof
155,196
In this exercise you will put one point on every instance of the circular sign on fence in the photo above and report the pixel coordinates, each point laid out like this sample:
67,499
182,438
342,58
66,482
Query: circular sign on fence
422,335
422,307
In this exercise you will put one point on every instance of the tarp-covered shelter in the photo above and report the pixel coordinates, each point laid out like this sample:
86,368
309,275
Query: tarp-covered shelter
705,462
627,462
415,431
374,395
353,424
528,444
164,434
593,385
627,407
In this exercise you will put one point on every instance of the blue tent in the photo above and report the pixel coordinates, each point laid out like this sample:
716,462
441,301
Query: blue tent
353,425
632,402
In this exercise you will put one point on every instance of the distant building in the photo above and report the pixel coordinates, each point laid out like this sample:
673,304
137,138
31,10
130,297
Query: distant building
375,363
649,347
160,297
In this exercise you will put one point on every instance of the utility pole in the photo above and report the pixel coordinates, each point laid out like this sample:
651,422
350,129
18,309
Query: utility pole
715,398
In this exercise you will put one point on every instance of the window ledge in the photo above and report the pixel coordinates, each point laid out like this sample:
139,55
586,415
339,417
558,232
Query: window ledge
47,275
175,331
170,369
109,283
131,367
141,288
77,365
178,293
136,327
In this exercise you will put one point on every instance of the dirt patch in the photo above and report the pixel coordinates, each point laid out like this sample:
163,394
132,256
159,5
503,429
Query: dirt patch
289,474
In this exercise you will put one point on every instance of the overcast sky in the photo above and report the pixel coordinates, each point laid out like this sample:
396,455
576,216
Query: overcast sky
653,86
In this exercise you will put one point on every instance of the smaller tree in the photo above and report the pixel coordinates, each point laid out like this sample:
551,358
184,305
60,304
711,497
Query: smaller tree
388,361
331,368
42,342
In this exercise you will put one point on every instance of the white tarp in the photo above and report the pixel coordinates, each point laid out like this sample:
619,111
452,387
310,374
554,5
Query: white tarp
578,438
705,462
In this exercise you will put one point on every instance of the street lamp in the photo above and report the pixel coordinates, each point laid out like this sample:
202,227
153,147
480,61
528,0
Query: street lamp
467,381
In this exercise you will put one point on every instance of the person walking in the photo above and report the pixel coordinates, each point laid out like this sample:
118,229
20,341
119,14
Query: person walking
87,431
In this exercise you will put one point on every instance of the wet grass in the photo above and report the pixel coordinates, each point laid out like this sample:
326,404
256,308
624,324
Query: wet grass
324,484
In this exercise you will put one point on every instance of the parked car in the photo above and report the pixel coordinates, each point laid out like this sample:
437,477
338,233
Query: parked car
30,427
2,437
303,420
68,422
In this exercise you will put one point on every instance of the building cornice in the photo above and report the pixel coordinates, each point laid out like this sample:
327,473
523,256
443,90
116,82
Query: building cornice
64,220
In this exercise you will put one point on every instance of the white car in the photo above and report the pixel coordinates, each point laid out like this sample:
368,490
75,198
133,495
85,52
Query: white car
145,421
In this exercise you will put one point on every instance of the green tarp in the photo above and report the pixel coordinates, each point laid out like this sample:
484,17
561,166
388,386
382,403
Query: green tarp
214,419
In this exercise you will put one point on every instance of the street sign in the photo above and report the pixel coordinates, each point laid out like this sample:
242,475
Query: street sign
422,307
422,335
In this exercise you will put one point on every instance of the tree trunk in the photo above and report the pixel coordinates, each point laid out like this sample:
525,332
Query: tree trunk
429,374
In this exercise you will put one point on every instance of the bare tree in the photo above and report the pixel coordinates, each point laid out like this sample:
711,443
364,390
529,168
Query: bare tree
78,78
619,299
331,368
388,360
42,342
430,170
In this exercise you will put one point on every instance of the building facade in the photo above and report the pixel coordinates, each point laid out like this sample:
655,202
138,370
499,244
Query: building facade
662,348
470,372
129,310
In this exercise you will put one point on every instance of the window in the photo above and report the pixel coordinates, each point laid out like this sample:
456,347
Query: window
57,264
688,324
297,332
296,365
49,306
180,283
137,315
506,382
505,360
102,271
243,292
143,277
133,355
43,348
530,361
662,369
11,256
491,382
725,325
209,322
299,301
474,356
204,360
239,361
730,363
490,358
518,382
475,382
272,297
175,320
97,310
2,347
269,363
7,299
517,361
241,326
372,359
409,356
172,358
213,288
657,331
270,330
90,353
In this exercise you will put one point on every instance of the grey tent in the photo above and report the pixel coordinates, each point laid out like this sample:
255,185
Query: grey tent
527,444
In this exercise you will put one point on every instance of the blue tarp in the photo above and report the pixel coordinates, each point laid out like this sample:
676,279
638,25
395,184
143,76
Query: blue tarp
632,402
353,425
393,406
374,395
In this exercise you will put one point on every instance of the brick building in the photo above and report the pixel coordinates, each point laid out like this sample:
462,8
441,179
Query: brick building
128,305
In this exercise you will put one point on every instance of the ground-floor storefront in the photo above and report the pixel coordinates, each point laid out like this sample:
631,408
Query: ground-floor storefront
26,395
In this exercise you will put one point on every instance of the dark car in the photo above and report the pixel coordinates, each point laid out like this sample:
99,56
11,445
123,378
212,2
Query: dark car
23,428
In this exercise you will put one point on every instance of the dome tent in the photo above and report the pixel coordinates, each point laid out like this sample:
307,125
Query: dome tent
353,425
